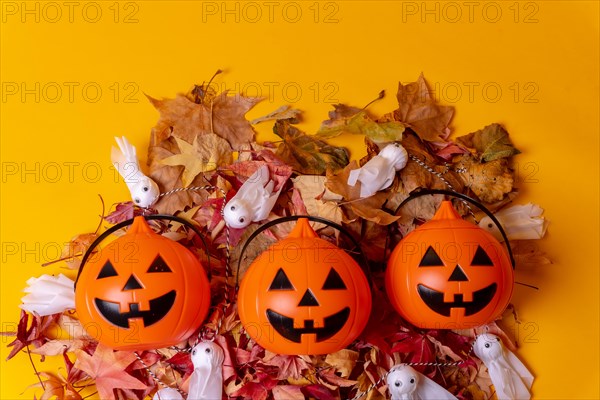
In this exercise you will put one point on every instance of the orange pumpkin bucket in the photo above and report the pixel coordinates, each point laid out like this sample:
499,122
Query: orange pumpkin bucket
142,291
304,295
449,273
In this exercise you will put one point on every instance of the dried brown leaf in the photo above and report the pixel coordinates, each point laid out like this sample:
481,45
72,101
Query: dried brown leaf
206,153
490,181
490,143
528,254
76,248
307,154
343,361
419,111
224,116
369,208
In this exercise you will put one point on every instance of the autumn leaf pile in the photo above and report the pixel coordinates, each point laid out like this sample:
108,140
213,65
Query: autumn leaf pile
202,138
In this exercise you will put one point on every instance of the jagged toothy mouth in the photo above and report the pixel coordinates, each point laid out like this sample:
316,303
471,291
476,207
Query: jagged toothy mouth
435,300
285,325
159,307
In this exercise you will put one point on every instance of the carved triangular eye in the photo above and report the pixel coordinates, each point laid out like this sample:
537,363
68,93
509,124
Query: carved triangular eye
431,259
107,271
334,281
281,281
159,265
481,259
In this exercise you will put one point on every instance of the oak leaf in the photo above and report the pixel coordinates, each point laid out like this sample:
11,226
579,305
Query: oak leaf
490,181
186,120
419,111
306,154
206,153
490,143
107,368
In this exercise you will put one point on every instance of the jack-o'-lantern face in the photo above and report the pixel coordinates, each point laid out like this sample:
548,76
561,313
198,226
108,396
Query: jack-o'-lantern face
304,296
142,291
449,274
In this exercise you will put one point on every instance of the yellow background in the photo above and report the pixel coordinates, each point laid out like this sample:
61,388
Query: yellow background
532,66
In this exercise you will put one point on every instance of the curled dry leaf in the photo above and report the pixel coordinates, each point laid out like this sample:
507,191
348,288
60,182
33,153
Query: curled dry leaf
360,123
311,189
343,361
283,112
306,154
490,181
490,143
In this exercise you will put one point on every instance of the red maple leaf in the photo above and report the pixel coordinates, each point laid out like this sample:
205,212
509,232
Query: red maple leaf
107,368
34,335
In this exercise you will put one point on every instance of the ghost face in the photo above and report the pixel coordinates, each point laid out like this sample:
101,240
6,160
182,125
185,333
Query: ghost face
207,354
402,381
145,192
237,214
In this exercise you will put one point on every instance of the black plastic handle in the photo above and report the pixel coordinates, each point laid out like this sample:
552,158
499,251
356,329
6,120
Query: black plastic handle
295,218
423,192
128,222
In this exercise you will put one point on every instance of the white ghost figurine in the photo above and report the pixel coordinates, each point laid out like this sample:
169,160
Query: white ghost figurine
167,394
206,382
253,202
520,222
379,172
510,377
48,295
144,191
405,383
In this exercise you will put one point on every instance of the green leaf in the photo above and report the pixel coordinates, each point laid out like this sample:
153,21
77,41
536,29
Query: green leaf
307,154
361,124
491,143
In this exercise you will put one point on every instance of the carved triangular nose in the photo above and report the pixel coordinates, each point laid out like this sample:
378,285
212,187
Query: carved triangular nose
308,299
458,275
132,284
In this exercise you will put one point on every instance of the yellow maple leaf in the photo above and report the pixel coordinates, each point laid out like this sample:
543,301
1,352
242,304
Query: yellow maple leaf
208,152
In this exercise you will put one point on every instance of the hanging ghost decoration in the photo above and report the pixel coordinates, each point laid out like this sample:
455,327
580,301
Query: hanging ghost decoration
48,295
379,172
510,377
520,222
253,202
206,382
405,383
167,394
144,191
